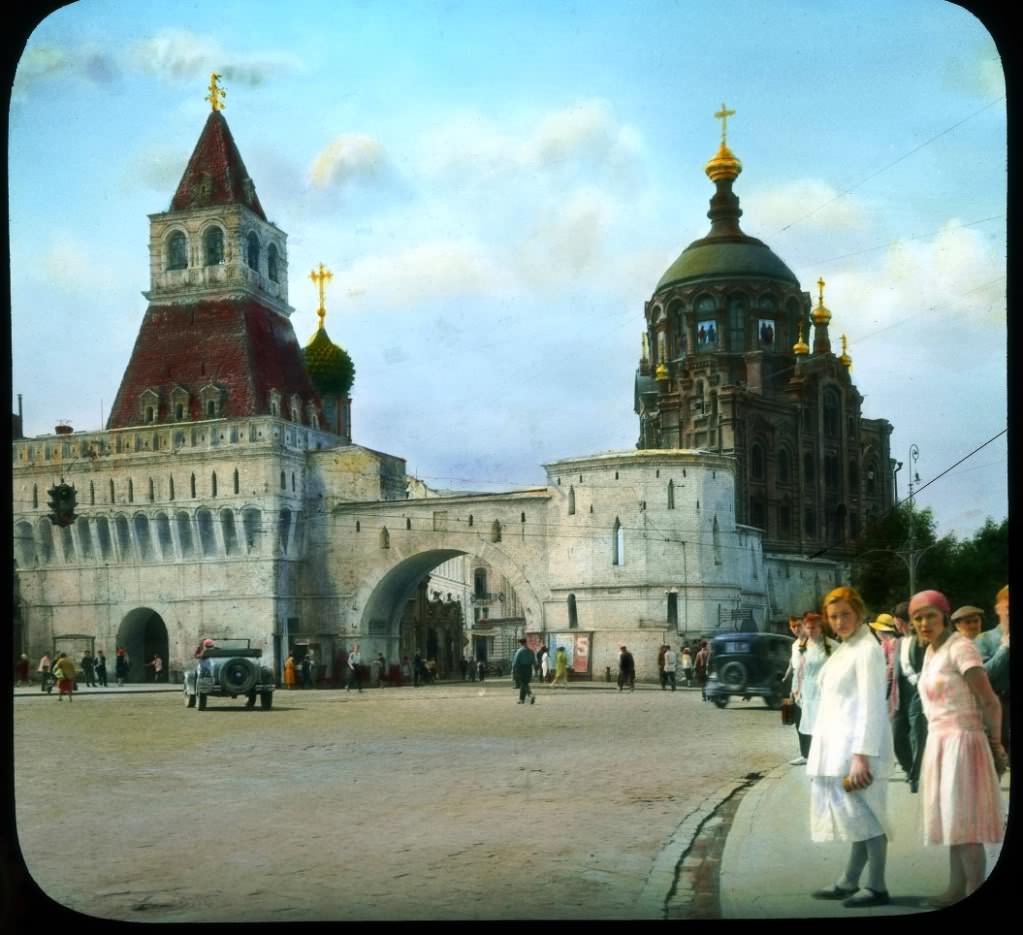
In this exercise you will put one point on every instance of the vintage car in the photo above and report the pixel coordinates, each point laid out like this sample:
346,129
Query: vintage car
229,671
747,665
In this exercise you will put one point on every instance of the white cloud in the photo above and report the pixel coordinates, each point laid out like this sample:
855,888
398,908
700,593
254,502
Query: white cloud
182,55
350,157
158,168
775,208
426,272
72,266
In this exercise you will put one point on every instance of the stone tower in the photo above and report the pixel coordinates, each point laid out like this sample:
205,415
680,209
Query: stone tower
216,340
726,367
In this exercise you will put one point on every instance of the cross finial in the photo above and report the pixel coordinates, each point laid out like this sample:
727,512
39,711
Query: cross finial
723,116
217,93
321,277
820,286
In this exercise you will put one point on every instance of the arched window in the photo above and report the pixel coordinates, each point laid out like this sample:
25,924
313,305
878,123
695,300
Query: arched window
385,538
229,532
479,582
152,491
808,468
207,538
271,262
784,467
252,251
184,524
495,531
618,544
571,501
213,246
142,537
252,525
236,481
284,481
163,536
26,545
832,405
573,613
177,251
150,415
106,546
756,462
179,411
671,495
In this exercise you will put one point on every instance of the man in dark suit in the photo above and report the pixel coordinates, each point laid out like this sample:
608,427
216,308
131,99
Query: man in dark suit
909,723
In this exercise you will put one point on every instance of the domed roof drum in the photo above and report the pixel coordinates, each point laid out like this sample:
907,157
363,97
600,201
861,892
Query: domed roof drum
329,366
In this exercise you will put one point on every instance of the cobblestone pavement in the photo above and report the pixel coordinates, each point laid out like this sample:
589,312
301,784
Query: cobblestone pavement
447,802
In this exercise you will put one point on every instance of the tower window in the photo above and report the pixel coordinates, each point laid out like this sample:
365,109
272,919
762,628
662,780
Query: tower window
211,408
271,262
479,582
35,496
177,251
571,501
236,481
252,251
671,495
618,544
495,531
213,483
573,613
832,404
193,486
757,462
213,244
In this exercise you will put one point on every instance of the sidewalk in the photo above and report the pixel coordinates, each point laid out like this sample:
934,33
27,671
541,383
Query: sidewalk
770,866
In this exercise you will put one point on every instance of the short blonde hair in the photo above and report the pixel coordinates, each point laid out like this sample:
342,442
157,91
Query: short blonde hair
1002,595
850,595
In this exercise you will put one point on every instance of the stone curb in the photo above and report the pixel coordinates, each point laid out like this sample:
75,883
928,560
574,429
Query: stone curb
660,886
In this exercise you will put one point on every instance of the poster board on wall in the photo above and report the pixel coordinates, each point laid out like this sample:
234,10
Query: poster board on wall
577,646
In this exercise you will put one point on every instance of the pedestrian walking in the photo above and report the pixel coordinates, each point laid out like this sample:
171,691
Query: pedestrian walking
909,725
157,666
121,667
481,669
45,681
290,672
64,673
406,671
560,667
310,658
87,666
354,666
962,763
418,671
700,664
687,668
545,663
669,664
304,670
626,670
789,682
661,677
523,663
101,669
851,755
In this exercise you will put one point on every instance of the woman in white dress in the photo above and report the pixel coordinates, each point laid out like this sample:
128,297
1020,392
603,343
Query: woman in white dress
851,754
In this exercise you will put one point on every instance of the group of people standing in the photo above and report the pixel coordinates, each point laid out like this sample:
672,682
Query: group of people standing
868,694
91,669
668,662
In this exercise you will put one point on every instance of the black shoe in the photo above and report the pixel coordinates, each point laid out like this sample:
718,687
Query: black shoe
866,898
833,892
532,699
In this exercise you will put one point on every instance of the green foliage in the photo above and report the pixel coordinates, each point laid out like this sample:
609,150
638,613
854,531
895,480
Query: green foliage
967,572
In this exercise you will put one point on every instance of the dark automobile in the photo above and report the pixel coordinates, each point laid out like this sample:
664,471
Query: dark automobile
229,672
747,665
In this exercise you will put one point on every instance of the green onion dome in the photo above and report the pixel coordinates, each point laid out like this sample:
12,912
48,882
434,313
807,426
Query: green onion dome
330,368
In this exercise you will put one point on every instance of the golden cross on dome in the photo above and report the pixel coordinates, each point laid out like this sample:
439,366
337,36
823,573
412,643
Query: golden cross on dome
820,286
321,278
217,93
723,116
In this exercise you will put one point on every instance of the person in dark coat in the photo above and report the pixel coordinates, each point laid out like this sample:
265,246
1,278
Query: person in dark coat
121,666
88,667
523,663
909,723
626,670
101,669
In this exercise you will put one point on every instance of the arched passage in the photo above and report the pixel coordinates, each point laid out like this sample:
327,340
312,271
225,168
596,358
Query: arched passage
143,634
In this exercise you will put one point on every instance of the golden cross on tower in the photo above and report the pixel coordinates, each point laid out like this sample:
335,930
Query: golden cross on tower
321,278
723,116
217,93
820,286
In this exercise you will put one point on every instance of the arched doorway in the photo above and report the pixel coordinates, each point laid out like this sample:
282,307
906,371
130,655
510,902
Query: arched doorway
143,634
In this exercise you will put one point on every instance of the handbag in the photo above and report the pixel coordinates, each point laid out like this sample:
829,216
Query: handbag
788,712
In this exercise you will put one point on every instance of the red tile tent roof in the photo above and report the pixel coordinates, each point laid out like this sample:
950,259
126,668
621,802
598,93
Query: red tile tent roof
215,174
239,345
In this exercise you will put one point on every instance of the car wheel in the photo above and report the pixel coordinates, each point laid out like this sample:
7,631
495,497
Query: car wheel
238,676
720,700
189,700
200,702
733,676
266,700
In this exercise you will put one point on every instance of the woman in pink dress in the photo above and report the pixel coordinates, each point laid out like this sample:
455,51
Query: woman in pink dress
959,775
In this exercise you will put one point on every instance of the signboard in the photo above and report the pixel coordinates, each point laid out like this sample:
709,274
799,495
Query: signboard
577,648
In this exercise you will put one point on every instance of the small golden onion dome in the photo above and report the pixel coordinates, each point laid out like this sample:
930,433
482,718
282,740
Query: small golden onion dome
821,315
661,373
800,348
724,165
845,360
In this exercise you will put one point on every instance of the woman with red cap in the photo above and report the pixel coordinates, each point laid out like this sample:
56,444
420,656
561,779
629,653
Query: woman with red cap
959,776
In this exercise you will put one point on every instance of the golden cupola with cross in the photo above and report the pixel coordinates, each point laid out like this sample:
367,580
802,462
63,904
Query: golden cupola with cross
329,366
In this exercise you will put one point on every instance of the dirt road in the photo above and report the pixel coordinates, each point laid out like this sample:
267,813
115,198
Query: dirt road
447,802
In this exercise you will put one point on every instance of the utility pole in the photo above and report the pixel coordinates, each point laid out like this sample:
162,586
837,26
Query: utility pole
914,454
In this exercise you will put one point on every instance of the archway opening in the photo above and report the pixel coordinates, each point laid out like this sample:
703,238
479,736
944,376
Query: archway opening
143,635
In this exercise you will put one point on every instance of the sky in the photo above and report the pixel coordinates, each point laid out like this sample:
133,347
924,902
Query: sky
498,187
